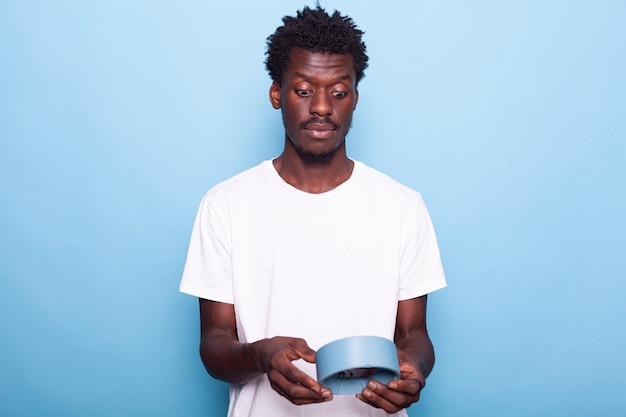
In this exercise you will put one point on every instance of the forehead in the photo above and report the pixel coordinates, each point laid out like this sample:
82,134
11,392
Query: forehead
319,65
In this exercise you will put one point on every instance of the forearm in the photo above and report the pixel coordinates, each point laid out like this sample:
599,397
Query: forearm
417,349
222,354
229,360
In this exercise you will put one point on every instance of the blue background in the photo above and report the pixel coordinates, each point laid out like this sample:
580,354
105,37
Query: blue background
116,116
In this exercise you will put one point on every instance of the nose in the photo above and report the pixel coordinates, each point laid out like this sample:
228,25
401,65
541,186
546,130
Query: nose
321,104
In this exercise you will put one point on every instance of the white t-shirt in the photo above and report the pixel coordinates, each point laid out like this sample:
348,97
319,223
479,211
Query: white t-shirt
316,266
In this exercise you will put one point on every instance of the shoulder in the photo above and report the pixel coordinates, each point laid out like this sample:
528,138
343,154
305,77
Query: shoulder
234,191
385,186
251,178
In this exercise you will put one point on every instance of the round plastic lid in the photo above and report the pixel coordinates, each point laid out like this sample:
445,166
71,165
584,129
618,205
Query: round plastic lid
346,365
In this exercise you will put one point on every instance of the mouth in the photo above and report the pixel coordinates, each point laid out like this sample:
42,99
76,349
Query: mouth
320,131
320,127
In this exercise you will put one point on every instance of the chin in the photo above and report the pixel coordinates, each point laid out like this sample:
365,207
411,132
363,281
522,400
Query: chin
315,157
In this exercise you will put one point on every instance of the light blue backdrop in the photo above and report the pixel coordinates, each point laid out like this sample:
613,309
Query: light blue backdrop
116,116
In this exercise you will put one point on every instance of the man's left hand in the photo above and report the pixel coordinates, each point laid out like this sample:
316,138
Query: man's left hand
397,394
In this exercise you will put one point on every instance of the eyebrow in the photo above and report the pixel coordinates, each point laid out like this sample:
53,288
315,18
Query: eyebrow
309,79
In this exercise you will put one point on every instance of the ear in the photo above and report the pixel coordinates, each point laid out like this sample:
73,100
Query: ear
275,95
356,98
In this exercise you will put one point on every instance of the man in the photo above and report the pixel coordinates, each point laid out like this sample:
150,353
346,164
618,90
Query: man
312,246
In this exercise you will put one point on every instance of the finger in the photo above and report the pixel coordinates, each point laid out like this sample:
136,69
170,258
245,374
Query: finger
408,386
295,392
375,400
399,395
287,373
297,376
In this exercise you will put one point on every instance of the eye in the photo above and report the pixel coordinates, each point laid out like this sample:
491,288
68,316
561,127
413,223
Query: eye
303,93
339,94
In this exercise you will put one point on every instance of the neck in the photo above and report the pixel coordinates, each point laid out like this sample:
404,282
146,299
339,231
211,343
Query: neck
314,177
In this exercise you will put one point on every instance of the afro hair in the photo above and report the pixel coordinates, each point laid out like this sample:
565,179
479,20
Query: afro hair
317,31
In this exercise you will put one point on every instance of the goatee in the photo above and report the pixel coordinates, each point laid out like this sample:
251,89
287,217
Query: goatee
315,157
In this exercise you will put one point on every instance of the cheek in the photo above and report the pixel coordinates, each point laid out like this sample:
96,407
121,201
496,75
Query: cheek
291,121
346,114
296,113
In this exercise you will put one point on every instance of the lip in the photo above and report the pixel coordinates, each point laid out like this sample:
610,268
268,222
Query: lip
320,131
319,127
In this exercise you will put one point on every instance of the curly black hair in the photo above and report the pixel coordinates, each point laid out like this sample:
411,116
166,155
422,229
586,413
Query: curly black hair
317,31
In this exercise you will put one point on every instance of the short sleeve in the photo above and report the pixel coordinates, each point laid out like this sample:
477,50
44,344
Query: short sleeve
421,270
208,268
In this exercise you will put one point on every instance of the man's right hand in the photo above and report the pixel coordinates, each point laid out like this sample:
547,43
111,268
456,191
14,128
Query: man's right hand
275,356
228,359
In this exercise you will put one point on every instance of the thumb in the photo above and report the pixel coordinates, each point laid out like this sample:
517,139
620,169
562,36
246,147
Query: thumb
304,351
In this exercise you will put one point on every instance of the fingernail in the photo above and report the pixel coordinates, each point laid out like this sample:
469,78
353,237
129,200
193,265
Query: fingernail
372,385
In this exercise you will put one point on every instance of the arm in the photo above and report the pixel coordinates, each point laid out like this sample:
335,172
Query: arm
227,359
416,357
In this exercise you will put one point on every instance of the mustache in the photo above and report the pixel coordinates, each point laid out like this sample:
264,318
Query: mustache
318,121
